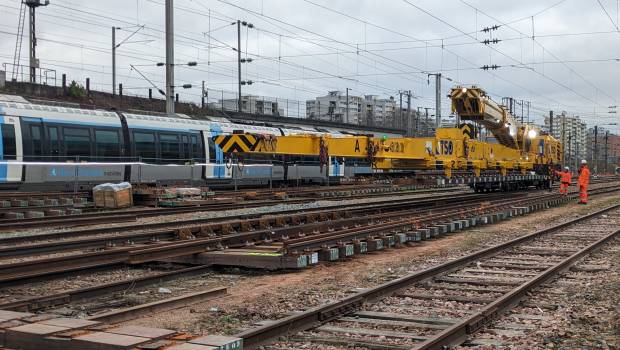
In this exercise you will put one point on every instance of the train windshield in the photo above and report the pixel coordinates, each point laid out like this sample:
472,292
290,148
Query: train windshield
9,148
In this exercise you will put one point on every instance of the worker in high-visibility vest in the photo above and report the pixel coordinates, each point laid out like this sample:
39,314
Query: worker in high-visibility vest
584,181
565,179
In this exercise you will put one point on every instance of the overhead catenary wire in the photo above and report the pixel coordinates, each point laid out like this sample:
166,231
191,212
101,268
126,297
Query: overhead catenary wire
608,16
545,50
299,70
503,54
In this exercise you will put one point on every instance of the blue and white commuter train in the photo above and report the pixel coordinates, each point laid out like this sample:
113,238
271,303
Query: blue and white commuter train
62,148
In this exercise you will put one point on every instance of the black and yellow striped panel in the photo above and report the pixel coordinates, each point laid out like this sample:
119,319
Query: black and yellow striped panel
236,143
468,131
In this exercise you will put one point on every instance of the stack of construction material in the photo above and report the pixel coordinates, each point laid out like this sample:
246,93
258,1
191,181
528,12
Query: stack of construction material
109,195
184,196
173,196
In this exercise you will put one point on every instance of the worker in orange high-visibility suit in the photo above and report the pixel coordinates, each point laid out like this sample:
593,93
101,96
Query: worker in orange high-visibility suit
565,178
584,181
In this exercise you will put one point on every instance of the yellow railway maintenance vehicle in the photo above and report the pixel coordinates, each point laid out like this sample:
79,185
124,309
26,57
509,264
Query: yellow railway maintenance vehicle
542,150
515,162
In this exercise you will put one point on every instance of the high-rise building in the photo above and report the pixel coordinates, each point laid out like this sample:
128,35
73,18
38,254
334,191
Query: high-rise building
572,132
378,111
250,104
606,145
367,110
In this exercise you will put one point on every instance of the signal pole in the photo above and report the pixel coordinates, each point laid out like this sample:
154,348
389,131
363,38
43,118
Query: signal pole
347,108
551,123
239,63
426,128
203,95
606,149
34,62
437,100
169,57
113,61
417,122
408,123
595,168
400,111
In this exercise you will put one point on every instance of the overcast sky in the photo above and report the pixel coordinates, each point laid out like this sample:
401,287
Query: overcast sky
304,48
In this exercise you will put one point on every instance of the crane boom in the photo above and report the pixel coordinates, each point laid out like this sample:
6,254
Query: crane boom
473,104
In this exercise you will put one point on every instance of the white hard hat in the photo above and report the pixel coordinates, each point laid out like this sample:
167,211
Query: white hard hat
583,161
566,168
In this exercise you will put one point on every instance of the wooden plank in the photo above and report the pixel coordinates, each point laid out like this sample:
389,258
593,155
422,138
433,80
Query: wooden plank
488,277
516,326
484,342
134,312
370,332
590,268
436,286
478,282
530,317
501,272
545,252
447,297
347,342
540,305
515,266
517,261
407,318
524,256
376,321
548,249
505,332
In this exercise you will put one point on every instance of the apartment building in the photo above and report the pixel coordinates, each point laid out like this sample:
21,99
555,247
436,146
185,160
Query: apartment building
572,131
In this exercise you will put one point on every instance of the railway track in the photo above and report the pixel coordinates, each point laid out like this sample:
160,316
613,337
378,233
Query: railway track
284,225
150,246
77,238
533,323
93,216
129,215
443,305
247,221
333,238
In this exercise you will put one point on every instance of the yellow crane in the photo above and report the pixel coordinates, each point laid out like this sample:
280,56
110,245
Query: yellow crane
518,150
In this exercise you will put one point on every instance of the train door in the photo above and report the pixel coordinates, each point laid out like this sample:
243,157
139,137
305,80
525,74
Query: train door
33,140
215,156
11,151
126,155
337,167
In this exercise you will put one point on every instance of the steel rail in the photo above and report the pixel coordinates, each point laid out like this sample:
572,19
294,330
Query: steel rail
418,201
155,235
45,301
457,333
253,338
106,216
37,268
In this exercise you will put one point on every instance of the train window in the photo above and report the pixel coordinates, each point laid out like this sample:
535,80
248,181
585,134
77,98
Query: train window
145,145
186,147
107,144
77,142
35,137
169,144
9,151
195,151
211,150
54,144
